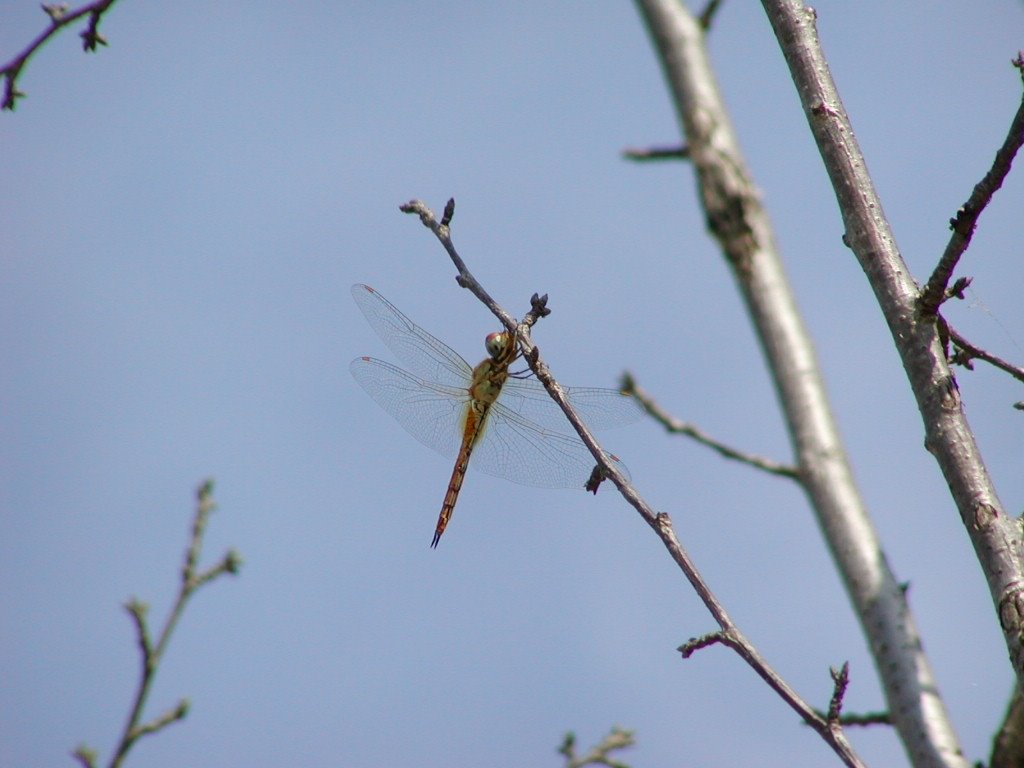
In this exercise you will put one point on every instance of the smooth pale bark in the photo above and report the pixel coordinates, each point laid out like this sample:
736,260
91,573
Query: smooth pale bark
738,221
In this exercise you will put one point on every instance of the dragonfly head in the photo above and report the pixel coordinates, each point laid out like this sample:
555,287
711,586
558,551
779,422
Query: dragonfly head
497,344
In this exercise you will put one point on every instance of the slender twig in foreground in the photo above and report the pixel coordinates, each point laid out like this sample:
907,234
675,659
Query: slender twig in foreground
660,522
708,14
674,425
967,352
966,218
864,719
599,754
151,654
60,17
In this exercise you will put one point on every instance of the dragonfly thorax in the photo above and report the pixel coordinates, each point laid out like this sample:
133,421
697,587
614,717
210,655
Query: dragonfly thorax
497,344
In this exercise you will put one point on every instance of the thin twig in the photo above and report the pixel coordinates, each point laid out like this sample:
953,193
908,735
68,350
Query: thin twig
841,680
657,153
708,14
863,719
60,17
672,424
966,219
968,351
150,654
660,522
600,754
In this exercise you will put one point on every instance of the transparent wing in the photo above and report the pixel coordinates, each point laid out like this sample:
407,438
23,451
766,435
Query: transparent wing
599,408
435,361
524,452
430,412
426,356
511,446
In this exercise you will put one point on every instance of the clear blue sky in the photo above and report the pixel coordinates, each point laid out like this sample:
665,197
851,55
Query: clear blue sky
181,217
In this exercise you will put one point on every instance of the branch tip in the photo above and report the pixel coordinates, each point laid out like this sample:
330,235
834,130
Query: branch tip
449,212
840,680
87,756
680,152
694,644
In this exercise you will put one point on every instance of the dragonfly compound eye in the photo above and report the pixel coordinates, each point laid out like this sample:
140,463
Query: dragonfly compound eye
496,343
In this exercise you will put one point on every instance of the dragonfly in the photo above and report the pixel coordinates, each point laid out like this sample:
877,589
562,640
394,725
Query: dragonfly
509,425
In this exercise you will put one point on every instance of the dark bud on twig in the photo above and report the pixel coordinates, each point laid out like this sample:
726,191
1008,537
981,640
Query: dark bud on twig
539,305
449,212
1019,63
232,562
957,289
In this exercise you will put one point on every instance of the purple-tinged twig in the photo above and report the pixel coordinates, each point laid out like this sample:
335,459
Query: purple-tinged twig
60,17
152,653
966,219
966,351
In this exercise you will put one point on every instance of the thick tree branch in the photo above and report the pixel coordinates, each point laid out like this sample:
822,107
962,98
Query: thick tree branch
738,221
1008,745
994,534
60,17
660,522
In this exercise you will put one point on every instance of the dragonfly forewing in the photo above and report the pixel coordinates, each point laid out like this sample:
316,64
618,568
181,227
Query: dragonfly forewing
426,355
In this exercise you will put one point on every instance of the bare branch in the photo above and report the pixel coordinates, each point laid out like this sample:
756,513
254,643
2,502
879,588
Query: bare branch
464,278
660,522
967,352
708,14
841,680
1008,745
599,754
656,153
60,17
676,426
865,719
739,223
150,654
966,219
994,534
